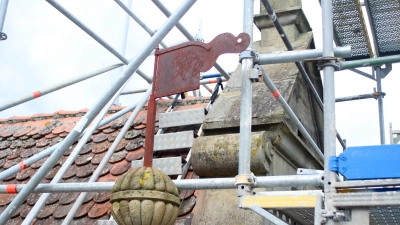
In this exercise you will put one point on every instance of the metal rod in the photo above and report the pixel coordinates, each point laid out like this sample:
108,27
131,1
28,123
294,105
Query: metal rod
202,82
358,97
70,160
300,66
314,180
74,134
329,106
318,211
77,22
298,56
317,152
267,215
151,119
107,156
50,89
380,105
138,21
123,46
187,34
246,94
27,162
362,73
369,62
3,12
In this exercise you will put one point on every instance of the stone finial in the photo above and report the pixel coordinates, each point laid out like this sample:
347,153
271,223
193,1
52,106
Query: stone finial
144,195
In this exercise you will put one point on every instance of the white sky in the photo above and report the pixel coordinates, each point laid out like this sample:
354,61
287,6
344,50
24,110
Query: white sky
45,48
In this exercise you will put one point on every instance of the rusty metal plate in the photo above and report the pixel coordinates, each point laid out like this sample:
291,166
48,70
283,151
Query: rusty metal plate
179,67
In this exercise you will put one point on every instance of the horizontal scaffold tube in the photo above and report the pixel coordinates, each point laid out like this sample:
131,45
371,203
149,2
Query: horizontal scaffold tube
369,62
314,180
298,56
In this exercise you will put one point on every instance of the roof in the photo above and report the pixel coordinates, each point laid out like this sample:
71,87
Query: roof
22,137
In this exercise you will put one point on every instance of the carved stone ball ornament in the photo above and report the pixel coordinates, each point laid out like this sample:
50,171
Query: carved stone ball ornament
144,195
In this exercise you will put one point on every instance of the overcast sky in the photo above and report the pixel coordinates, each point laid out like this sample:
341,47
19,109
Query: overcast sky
45,48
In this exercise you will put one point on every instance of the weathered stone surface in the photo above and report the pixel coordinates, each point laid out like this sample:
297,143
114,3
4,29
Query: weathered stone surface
217,156
220,207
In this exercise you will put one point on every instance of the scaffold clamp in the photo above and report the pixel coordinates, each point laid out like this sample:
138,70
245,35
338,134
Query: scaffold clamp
3,36
247,54
246,179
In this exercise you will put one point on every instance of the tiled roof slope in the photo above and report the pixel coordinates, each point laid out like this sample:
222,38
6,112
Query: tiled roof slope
22,137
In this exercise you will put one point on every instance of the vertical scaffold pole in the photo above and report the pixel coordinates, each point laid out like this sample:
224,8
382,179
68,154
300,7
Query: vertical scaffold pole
378,70
246,97
89,116
329,107
3,11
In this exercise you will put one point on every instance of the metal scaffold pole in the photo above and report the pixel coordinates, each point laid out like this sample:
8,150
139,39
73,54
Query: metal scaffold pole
89,116
329,109
246,100
3,12
96,37
314,180
71,158
380,105
300,67
27,162
107,156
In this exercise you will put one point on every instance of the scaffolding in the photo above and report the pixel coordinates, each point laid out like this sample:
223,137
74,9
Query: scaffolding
327,205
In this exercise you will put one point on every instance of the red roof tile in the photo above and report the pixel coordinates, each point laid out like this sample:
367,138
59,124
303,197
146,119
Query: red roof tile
20,140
